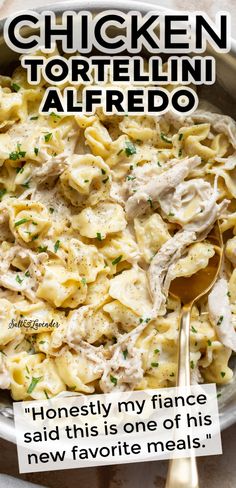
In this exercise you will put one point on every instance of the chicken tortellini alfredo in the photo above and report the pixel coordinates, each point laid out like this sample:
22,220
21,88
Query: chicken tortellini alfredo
98,215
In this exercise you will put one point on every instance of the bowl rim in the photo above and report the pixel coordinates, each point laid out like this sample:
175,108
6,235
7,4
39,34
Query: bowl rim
7,425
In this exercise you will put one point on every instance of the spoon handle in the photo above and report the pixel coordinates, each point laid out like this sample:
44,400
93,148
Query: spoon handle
182,473
183,374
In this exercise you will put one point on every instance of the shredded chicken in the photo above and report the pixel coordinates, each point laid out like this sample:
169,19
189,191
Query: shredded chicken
16,280
196,376
169,254
228,163
5,379
124,370
149,194
51,170
220,314
219,122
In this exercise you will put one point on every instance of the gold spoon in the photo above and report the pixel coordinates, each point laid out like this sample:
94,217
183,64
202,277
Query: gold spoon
182,473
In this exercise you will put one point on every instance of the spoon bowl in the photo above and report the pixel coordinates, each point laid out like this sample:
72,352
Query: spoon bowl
182,473
191,289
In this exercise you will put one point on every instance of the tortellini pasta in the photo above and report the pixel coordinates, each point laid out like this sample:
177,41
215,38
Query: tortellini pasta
62,288
131,289
196,259
29,221
86,259
78,372
101,220
33,376
151,232
86,181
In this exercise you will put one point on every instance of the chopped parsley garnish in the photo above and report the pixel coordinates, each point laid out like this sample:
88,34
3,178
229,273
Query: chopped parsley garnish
193,330
46,394
42,342
159,164
106,179
19,280
20,222
220,320
130,177
209,342
15,155
56,116
103,171
171,214
42,248
99,236
228,294
218,395
180,153
26,184
2,193
119,152
172,374
15,87
51,210
83,281
117,260
48,137
36,151
35,117
165,139
27,274
86,181
222,373
149,200
113,380
19,170
180,136
156,351
27,369
34,238
57,245
125,353
154,365
130,148
33,384
192,364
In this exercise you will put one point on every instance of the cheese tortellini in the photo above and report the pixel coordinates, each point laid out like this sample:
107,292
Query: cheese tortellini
29,221
86,181
101,220
62,288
